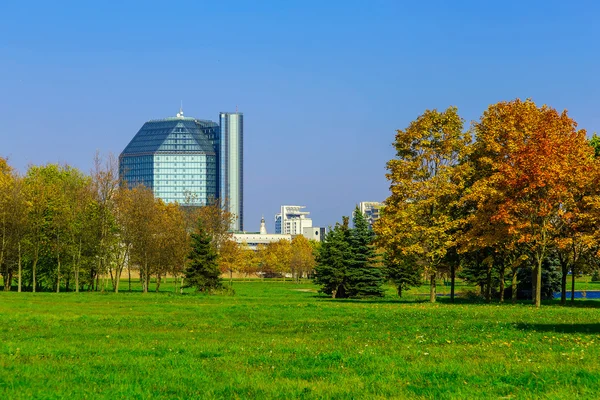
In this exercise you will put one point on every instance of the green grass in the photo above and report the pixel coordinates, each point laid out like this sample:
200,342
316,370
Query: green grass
281,340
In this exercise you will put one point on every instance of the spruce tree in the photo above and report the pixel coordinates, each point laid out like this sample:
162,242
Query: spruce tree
364,279
333,261
203,270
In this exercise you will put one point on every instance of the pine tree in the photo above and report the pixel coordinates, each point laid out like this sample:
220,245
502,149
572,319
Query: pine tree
333,261
364,279
203,270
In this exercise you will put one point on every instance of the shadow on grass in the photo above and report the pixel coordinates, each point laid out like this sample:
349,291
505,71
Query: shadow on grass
560,328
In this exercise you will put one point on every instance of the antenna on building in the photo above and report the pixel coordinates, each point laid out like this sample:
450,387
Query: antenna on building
236,110
180,113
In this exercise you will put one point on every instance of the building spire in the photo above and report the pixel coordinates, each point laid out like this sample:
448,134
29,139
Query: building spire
180,113
263,228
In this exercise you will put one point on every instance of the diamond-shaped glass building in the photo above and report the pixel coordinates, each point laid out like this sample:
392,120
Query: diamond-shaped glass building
178,158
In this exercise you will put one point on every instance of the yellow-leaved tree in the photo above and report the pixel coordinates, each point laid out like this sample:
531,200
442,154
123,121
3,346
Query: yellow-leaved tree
418,221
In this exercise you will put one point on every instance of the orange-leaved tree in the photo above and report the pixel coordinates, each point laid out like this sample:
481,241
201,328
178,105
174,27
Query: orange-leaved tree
535,163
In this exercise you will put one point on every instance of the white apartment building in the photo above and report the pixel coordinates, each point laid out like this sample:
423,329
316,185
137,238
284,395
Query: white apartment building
292,220
370,209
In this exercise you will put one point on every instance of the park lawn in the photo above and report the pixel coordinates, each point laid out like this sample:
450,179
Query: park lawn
283,340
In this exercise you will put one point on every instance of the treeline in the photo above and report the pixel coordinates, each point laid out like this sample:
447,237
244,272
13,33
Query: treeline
513,198
61,229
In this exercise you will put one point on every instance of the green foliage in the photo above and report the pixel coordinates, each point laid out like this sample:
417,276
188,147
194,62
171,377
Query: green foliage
345,263
334,260
595,143
550,280
202,271
364,279
402,271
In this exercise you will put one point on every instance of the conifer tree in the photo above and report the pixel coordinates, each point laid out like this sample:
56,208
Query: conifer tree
203,272
364,279
333,261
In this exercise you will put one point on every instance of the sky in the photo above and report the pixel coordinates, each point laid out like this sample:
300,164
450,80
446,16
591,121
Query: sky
323,85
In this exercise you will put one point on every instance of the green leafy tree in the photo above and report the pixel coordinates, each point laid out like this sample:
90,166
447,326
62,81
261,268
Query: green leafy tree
203,271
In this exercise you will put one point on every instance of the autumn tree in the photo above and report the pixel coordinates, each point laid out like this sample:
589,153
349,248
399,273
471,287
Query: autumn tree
418,221
6,187
537,163
216,220
302,260
231,258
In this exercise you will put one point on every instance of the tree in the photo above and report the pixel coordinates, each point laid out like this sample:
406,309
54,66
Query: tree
302,260
216,220
419,220
230,258
334,260
202,272
402,270
536,164
364,279
6,184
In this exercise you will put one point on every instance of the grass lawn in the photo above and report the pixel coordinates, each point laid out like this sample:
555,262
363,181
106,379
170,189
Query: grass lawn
282,340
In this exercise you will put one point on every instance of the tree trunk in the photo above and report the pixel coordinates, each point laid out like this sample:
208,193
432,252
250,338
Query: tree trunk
514,286
129,272
432,288
181,285
35,260
157,282
20,269
77,268
488,283
573,284
502,269
58,264
146,278
452,281
399,289
538,283
563,283
230,277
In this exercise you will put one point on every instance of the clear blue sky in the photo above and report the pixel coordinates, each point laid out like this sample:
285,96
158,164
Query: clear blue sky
323,84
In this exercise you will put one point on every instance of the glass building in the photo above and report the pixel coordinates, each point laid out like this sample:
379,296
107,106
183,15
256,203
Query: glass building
176,158
231,172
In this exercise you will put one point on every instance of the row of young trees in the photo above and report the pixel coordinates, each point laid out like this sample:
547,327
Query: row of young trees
277,259
516,192
61,229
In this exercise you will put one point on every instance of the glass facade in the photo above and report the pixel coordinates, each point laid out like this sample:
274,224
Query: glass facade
174,157
231,189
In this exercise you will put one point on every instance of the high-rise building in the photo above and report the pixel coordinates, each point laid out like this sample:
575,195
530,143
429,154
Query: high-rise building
370,209
292,220
231,172
174,157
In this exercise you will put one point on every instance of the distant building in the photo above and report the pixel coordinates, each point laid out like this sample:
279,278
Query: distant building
292,220
189,161
370,209
254,239
175,158
314,233
231,172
